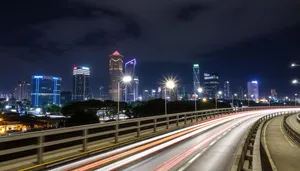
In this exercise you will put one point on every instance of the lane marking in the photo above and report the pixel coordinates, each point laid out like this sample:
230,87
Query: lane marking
281,123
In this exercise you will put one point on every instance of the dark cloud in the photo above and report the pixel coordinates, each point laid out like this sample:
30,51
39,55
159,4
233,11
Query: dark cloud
190,11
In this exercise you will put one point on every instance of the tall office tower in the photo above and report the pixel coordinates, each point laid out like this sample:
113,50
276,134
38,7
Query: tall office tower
153,94
196,78
22,91
116,72
211,84
146,95
227,90
159,93
273,93
136,88
81,83
130,88
253,91
45,90
241,93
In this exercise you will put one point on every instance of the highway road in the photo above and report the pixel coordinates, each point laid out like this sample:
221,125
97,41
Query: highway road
209,146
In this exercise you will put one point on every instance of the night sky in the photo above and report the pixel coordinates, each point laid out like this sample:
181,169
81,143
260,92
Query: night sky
240,39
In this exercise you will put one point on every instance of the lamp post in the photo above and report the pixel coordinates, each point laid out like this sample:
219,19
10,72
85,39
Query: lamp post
234,95
170,84
125,79
295,82
200,90
217,94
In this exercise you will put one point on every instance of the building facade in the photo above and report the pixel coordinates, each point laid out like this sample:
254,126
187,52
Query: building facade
22,91
116,72
81,83
227,94
273,94
45,90
253,91
65,97
196,78
211,84
136,88
130,95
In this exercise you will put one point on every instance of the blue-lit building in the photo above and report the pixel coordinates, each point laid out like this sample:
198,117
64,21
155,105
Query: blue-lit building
253,91
45,90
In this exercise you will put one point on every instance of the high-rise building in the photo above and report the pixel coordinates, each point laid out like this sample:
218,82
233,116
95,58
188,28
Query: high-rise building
196,78
22,91
65,97
146,95
211,84
116,72
253,91
81,83
227,90
273,93
130,88
45,90
136,88
241,93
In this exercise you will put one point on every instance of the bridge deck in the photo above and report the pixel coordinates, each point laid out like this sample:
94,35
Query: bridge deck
285,155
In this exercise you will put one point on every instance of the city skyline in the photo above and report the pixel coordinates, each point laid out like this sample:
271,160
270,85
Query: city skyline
40,41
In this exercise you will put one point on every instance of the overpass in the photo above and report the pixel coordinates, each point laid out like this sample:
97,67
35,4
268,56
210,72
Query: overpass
183,141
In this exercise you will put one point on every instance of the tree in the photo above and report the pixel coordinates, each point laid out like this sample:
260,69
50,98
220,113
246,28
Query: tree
82,117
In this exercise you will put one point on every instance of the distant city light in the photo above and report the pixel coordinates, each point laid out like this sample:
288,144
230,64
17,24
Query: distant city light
254,82
204,99
196,65
86,68
75,68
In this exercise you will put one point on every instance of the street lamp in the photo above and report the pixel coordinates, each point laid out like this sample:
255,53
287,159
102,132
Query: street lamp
125,79
234,95
200,90
295,65
170,84
295,82
217,94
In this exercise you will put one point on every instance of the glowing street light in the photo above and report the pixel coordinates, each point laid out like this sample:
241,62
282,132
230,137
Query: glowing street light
217,94
169,84
295,65
125,80
200,90
295,82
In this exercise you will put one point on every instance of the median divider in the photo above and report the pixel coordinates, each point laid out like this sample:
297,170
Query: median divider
294,135
250,155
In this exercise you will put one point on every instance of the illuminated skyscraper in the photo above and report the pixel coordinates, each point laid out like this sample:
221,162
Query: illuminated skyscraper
81,83
116,72
273,93
22,91
136,88
211,84
253,91
130,88
196,78
45,90
227,90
